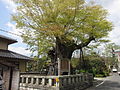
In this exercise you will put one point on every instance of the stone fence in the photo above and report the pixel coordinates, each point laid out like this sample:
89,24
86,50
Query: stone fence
66,82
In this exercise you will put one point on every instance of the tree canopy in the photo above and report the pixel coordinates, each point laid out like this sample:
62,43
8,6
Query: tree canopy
73,24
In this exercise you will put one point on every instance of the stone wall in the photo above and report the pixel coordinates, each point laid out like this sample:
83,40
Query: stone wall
66,82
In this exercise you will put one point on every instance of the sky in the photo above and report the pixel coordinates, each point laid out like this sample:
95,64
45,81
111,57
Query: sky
7,7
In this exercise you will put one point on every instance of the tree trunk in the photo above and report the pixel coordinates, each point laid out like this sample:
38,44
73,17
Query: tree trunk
64,49
82,63
64,52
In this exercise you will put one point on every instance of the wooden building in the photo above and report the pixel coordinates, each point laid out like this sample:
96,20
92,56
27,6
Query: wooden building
11,64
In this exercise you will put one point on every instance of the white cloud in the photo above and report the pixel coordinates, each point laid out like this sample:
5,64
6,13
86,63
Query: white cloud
20,50
19,47
115,35
113,7
14,29
15,33
10,5
114,10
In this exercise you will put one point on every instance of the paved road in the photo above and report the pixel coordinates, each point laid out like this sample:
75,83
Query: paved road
109,83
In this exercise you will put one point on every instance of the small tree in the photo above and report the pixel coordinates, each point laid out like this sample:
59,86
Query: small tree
109,53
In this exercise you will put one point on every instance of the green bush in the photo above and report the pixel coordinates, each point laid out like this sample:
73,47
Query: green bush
80,71
99,75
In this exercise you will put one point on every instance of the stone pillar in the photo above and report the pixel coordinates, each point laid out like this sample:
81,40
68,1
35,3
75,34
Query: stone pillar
77,79
73,80
64,81
26,80
69,80
22,80
15,80
43,81
50,81
37,81
6,78
31,80
57,82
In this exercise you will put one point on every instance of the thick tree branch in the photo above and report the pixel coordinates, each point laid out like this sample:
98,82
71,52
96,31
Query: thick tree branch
85,43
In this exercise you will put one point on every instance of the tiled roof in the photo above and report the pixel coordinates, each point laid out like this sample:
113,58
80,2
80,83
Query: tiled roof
13,55
10,40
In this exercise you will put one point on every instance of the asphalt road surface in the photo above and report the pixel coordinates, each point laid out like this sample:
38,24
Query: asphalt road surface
109,83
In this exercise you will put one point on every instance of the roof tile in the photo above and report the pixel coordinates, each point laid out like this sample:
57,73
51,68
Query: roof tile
11,54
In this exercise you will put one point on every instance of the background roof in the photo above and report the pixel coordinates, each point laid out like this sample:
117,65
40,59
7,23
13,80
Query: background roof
13,55
9,40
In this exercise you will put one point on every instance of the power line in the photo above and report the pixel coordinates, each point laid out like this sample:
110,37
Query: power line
9,32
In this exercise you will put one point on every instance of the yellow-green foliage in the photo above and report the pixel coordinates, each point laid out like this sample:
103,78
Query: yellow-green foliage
72,18
72,21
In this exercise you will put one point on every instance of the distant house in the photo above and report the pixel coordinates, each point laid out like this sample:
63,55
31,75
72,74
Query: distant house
11,64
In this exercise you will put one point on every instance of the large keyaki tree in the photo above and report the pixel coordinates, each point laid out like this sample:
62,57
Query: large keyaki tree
66,25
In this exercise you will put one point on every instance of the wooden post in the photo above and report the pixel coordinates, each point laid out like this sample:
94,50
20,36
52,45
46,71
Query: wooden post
59,66
69,68
10,79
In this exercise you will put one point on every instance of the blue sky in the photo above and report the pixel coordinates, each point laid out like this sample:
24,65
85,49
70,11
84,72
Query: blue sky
4,15
7,7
